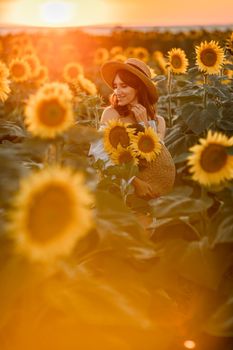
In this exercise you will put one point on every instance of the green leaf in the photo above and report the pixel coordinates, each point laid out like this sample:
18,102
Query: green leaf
230,150
176,205
174,228
196,261
220,324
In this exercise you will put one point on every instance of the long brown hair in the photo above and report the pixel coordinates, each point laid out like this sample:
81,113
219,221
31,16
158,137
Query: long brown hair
142,94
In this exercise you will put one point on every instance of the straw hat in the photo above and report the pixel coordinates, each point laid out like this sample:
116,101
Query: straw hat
160,173
133,65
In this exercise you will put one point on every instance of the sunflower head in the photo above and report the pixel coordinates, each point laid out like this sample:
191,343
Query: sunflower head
124,155
119,57
56,89
177,61
209,162
160,61
209,57
34,64
116,50
4,71
142,54
48,115
86,85
146,144
71,71
229,44
43,75
51,213
20,70
117,133
101,55
130,51
4,89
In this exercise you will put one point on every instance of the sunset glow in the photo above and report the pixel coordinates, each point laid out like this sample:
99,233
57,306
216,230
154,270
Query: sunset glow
56,12
115,12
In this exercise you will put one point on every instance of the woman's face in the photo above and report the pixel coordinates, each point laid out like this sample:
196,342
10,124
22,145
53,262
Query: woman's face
125,94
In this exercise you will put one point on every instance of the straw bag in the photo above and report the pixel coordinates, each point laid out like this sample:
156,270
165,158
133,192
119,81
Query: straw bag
160,173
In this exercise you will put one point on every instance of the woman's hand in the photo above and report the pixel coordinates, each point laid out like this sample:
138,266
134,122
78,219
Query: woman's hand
140,113
142,188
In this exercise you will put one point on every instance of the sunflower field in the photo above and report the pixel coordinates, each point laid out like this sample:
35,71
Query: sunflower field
84,261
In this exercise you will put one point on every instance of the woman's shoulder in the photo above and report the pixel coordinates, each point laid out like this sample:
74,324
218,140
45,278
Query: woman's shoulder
108,114
160,120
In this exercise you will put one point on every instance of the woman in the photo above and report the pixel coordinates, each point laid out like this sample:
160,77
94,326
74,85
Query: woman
133,101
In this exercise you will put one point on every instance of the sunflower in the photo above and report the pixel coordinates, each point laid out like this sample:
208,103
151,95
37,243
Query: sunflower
227,72
43,75
56,88
101,55
229,44
124,155
34,64
20,70
116,50
209,162
29,50
209,57
160,61
117,133
51,213
119,57
177,61
4,82
71,71
15,51
130,51
142,54
4,71
152,72
48,115
146,144
4,89
87,85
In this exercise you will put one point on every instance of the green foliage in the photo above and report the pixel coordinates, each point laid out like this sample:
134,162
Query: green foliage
127,284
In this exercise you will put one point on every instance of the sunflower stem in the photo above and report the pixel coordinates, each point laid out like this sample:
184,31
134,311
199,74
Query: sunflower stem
53,155
96,118
203,212
205,82
169,89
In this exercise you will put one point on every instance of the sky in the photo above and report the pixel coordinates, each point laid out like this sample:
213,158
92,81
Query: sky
121,12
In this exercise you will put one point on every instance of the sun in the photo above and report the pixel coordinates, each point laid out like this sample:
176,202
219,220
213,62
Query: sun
56,12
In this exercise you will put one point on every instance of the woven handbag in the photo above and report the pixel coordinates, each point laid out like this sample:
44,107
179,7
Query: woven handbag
160,173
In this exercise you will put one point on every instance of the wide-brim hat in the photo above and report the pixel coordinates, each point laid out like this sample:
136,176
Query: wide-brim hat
137,67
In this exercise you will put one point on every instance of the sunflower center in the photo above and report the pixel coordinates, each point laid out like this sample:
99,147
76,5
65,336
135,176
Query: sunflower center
18,70
51,113
141,54
125,157
119,135
213,158
176,61
50,214
146,144
73,72
208,57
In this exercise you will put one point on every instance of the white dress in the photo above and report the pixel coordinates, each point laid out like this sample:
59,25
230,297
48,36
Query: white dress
97,148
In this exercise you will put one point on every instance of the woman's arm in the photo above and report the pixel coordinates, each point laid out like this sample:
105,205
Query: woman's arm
161,128
142,188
